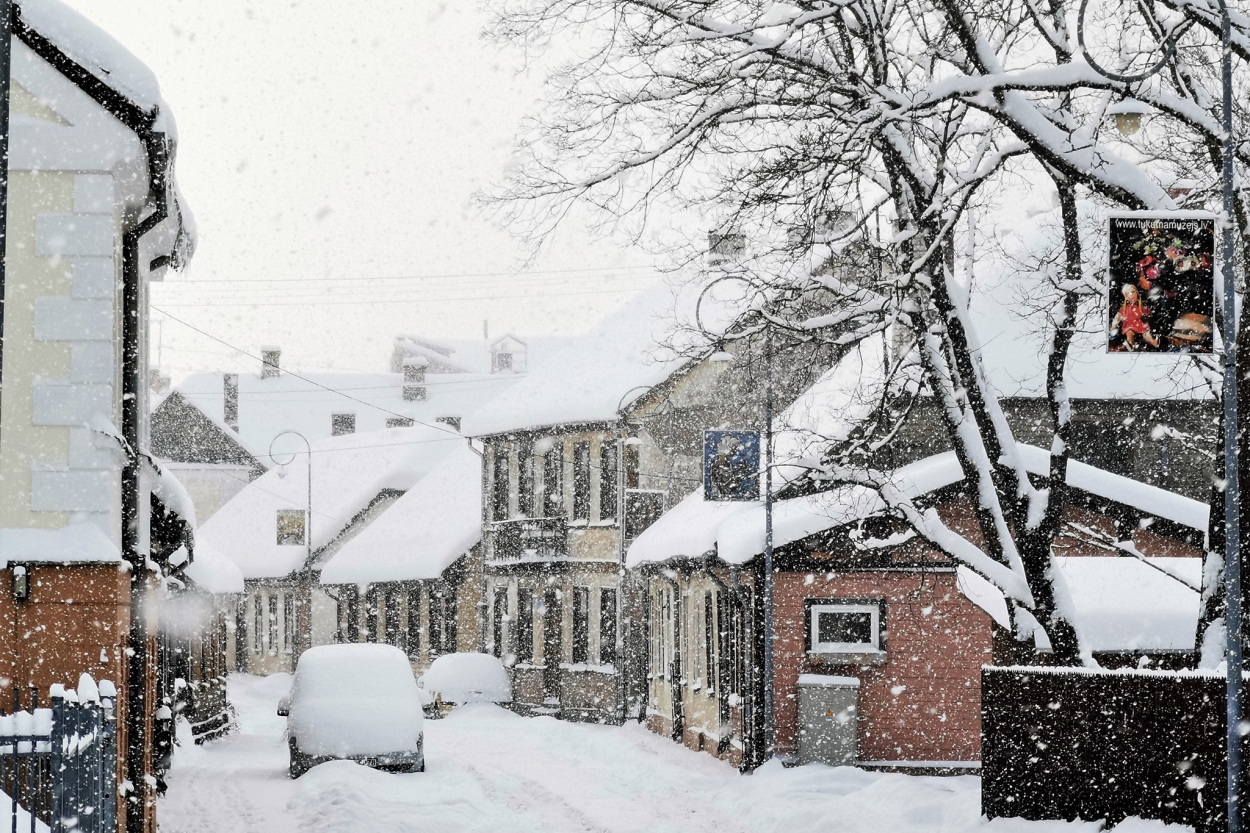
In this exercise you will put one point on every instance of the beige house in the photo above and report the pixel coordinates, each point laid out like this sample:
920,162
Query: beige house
93,215
599,439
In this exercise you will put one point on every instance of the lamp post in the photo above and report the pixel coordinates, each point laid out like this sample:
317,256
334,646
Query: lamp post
1232,531
307,514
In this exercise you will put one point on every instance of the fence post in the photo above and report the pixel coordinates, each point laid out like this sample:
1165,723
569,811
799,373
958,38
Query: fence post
56,744
108,759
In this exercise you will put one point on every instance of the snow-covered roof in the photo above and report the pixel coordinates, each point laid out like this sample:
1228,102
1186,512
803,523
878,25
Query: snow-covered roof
211,571
348,473
422,533
1122,604
267,407
94,50
78,543
588,378
735,530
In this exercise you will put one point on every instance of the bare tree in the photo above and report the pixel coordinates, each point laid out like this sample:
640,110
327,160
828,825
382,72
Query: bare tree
801,125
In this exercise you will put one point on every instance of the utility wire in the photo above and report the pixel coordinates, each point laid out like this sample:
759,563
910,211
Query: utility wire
420,300
417,277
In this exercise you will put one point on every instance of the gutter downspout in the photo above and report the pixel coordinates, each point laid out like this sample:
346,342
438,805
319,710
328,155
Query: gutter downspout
482,601
6,78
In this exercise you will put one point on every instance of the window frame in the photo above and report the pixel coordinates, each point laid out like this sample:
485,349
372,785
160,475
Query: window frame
342,423
523,644
258,616
874,607
413,632
290,514
500,488
289,621
271,623
391,625
553,480
580,508
580,643
609,479
607,626
499,615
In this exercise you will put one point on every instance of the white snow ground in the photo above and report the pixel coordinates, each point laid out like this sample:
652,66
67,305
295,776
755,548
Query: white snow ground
489,770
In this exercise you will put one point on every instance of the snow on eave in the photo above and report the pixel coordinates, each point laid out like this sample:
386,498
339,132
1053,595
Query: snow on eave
211,571
79,543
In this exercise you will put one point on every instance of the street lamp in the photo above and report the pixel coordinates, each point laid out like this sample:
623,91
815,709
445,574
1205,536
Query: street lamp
1232,531
307,514
1128,115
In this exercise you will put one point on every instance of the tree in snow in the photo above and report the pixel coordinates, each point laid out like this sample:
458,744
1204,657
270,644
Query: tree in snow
806,127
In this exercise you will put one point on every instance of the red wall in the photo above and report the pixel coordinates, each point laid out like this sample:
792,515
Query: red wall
924,702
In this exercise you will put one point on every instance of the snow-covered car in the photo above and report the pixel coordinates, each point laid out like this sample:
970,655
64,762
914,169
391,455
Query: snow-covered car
354,702
467,678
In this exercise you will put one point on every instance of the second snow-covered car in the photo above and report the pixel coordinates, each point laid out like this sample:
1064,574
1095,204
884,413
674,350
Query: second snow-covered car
354,702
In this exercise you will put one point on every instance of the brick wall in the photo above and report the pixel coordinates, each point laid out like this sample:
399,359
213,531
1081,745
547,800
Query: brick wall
924,702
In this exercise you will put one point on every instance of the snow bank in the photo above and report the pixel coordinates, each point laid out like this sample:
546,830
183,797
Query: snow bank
422,533
468,678
354,700
80,543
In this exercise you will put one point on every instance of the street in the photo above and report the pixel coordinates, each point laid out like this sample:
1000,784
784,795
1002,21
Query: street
489,770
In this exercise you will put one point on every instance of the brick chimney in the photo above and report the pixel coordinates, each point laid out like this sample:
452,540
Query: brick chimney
414,378
230,408
270,358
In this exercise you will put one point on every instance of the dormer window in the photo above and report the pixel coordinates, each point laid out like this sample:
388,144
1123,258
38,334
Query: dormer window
291,527
341,424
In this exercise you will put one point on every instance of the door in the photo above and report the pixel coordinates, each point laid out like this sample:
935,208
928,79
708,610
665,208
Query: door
553,645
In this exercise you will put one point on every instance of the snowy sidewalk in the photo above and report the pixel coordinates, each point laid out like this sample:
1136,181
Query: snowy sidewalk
489,770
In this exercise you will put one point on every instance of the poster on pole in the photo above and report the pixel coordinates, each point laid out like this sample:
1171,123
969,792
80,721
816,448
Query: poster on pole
731,465
1161,293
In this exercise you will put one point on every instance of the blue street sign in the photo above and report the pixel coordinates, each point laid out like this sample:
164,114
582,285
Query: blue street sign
731,465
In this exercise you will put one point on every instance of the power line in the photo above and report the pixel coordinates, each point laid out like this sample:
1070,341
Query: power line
421,277
324,303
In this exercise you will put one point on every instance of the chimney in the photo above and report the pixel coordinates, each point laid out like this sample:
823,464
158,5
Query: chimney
230,410
414,378
269,362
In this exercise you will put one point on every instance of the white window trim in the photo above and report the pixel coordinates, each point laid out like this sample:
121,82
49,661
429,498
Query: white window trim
816,647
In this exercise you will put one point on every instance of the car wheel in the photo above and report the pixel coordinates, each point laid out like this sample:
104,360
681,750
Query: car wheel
300,763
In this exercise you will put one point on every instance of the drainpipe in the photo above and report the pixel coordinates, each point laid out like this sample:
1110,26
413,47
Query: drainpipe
481,605
6,56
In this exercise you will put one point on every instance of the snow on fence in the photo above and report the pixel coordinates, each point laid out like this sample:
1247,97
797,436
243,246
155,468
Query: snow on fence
1069,743
58,765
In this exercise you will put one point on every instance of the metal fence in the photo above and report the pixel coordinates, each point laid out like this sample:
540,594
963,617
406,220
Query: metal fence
58,764
1066,743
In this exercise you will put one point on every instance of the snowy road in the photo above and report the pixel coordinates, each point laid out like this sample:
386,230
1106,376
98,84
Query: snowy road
489,770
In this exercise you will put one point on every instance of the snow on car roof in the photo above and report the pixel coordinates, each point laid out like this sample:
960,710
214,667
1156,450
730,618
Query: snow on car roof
422,533
590,377
468,678
348,473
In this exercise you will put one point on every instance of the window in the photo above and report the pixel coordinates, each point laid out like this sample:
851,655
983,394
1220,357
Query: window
607,480
258,632
450,645
371,614
523,644
436,622
414,622
291,526
290,618
500,614
341,424
553,480
349,605
581,481
630,463
709,643
273,624
452,422
844,627
525,480
398,422
581,625
502,362
607,626
392,622
499,484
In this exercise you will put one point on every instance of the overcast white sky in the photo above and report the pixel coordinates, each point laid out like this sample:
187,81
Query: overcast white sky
329,151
